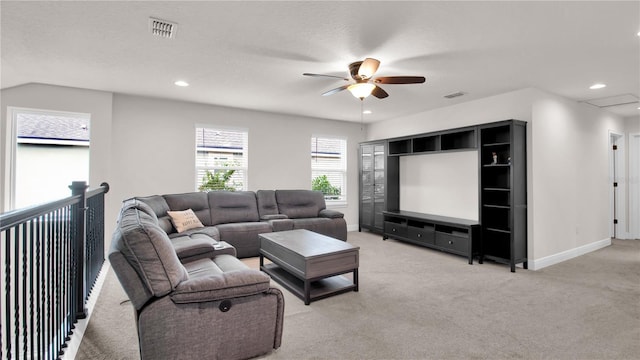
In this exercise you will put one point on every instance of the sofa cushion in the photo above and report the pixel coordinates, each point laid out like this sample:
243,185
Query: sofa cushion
244,236
300,203
184,220
232,207
331,227
148,249
267,205
310,223
160,208
196,201
196,244
281,224
331,214
210,281
137,204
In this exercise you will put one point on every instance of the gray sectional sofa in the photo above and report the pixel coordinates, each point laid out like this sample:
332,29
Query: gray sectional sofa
233,219
208,308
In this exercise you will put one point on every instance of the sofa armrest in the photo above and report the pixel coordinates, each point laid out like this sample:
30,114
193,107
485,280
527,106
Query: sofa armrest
273,217
331,214
221,286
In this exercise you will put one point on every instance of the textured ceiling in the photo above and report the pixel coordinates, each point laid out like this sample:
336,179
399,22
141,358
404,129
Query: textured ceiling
252,54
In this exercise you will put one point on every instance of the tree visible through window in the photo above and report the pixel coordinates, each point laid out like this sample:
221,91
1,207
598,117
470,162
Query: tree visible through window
329,167
221,159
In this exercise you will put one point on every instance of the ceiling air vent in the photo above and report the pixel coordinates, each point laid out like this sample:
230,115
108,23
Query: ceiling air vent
454,95
162,28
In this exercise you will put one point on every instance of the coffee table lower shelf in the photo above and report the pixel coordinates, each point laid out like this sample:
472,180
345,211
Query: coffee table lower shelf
315,288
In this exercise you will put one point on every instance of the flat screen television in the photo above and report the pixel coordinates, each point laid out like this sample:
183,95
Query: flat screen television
440,184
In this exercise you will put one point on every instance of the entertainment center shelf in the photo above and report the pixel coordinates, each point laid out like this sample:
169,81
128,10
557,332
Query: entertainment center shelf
459,139
503,195
453,235
499,235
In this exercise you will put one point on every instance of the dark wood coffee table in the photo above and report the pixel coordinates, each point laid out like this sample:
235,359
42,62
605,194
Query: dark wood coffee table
308,264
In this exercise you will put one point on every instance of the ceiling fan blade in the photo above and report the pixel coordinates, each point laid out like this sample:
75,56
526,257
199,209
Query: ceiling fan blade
368,67
400,80
379,93
333,91
325,75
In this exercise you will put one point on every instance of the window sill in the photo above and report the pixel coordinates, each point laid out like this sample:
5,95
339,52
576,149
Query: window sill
336,204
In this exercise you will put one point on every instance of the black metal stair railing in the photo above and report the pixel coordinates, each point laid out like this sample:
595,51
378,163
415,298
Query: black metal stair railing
48,268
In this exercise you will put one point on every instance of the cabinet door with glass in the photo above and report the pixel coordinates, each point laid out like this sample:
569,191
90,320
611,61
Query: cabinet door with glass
372,185
379,157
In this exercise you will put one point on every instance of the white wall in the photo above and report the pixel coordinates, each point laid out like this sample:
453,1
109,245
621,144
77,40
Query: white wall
567,164
513,105
571,184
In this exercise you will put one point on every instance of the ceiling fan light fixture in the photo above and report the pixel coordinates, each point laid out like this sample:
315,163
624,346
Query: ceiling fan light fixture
361,90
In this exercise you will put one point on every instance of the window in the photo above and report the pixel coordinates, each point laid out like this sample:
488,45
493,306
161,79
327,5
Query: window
50,149
329,167
221,159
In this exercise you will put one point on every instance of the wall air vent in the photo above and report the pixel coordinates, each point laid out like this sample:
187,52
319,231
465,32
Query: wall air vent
162,28
454,95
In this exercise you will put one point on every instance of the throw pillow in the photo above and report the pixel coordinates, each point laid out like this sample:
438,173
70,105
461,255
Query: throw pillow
184,220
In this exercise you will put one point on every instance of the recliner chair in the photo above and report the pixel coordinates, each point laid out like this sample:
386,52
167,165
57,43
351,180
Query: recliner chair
206,309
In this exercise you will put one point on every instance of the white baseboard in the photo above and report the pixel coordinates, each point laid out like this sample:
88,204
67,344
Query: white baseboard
627,236
352,227
76,338
568,254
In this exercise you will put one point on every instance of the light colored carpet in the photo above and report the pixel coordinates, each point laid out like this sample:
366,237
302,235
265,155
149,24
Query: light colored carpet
417,303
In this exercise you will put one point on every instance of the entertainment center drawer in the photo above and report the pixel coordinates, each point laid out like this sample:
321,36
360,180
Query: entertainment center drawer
395,229
421,234
451,242
453,235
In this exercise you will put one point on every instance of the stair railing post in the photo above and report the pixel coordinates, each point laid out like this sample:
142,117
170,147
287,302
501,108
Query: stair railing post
78,246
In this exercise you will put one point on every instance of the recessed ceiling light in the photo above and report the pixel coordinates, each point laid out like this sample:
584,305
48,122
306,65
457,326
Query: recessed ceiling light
367,112
181,83
638,33
597,86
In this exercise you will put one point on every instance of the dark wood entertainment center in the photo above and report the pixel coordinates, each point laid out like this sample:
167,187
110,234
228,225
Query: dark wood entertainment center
499,235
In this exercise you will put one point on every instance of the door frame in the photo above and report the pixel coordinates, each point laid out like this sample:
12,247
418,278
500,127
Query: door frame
634,185
617,170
